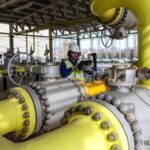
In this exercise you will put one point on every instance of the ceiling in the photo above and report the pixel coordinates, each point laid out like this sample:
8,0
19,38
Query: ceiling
70,15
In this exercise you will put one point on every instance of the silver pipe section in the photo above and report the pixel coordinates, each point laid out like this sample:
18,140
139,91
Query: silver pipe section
134,106
54,98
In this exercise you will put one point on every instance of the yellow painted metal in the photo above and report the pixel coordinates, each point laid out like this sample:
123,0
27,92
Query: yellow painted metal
107,16
94,88
117,16
141,10
31,109
145,83
11,113
81,133
2,70
20,69
112,16
9,116
106,115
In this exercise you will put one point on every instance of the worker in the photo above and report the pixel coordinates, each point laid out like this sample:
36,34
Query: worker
69,67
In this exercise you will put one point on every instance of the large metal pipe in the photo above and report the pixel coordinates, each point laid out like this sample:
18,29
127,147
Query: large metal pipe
115,121
89,126
135,107
39,107
16,113
141,11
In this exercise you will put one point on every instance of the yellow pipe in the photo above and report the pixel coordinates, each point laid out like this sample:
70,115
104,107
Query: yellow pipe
141,10
3,70
20,69
112,16
9,120
20,118
82,132
107,16
94,88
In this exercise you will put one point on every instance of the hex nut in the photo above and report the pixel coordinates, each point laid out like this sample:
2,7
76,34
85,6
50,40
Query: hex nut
88,110
116,147
24,107
106,125
112,136
97,116
79,108
26,123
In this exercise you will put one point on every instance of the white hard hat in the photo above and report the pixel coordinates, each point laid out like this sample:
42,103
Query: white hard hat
74,48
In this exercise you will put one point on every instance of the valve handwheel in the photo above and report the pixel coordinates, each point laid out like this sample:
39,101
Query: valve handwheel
106,37
25,69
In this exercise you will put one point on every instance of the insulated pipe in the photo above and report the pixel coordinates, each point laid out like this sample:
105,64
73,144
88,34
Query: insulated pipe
91,127
141,10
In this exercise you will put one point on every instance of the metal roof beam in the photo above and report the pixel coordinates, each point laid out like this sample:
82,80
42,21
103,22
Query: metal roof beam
39,10
23,7
64,24
37,3
9,15
61,12
74,11
10,2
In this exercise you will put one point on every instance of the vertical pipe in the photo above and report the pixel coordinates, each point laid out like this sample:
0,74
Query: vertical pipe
51,44
100,7
11,38
78,41
34,41
26,42
144,52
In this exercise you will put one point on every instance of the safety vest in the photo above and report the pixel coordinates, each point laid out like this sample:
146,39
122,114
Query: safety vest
77,74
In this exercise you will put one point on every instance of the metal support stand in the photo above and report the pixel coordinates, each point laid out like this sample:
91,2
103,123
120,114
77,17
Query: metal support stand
4,83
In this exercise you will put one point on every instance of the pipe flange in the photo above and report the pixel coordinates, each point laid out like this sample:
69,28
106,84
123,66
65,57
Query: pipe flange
104,123
25,132
37,106
81,90
128,111
45,106
122,21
